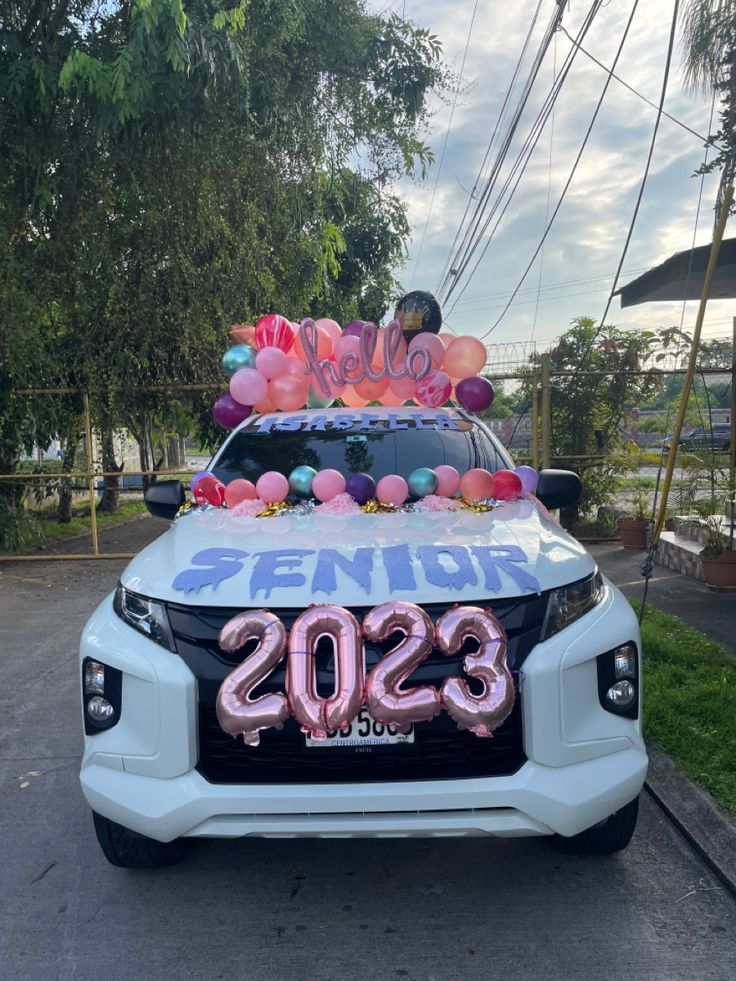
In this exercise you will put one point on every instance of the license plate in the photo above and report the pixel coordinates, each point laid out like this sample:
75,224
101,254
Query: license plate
362,733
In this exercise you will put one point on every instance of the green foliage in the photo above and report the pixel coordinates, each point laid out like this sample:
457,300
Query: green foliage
690,702
169,167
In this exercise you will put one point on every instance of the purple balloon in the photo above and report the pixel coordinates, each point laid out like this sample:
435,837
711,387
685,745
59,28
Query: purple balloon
528,477
361,486
354,328
198,476
228,413
474,394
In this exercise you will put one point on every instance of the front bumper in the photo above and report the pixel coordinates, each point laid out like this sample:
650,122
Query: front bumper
538,800
583,763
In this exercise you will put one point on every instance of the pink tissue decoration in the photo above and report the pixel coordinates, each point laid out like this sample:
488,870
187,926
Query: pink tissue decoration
433,502
249,509
540,507
340,504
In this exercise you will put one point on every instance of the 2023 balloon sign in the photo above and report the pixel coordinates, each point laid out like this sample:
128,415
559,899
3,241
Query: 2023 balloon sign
382,690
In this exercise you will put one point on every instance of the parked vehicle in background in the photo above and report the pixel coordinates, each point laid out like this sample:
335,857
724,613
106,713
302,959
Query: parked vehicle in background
718,439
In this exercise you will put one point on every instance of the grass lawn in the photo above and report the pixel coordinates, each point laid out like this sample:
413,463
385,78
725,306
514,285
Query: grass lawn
80,524
690,702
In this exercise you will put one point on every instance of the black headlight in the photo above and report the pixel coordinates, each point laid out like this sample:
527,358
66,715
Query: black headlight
618,680
145,615
570,602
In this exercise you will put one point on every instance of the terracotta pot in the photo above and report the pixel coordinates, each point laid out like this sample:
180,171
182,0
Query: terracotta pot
720,572
633,532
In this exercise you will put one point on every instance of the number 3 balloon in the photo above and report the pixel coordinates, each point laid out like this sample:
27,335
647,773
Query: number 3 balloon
481,714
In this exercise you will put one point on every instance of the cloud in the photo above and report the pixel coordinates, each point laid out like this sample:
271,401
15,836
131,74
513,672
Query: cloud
583,248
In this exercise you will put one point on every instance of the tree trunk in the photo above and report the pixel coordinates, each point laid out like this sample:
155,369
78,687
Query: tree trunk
69,446
110,501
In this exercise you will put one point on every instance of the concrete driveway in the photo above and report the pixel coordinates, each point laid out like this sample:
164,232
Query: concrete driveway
322,910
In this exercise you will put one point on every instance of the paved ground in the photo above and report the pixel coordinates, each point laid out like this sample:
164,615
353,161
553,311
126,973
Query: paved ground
711,612
283,910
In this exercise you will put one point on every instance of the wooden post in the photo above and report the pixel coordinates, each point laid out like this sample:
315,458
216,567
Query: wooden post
535,421
676,432
90,474
546,413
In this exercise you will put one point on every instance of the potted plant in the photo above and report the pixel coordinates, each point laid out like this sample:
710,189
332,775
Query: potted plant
718,555
632,527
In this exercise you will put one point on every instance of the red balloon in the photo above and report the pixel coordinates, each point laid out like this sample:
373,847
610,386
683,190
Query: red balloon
273,330
506,485
210,490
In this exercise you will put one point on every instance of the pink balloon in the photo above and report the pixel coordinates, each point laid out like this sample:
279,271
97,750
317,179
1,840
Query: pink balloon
482,713
273,330
318,715
288,393
464,357
248,386
403,386
239,490
371,390
385,696
379,359
448,480
432,344
330,327
446,339
391,398
272,487
271,362
237,713
434,389
209,490
328,484
392,489
348,344
351,397
324,344
506,485
476,484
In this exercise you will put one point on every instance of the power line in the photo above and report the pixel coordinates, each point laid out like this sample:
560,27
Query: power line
499,120
519,167
457,259
503,294
549,190
572,172
444,145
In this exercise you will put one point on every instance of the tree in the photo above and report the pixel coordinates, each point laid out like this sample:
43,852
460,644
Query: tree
167,168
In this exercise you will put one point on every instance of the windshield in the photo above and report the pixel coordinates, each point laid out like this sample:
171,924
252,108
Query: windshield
379,451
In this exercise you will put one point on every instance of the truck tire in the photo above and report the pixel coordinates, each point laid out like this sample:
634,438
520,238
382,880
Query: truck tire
611,835
128,850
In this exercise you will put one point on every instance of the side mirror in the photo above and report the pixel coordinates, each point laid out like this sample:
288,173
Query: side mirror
164,498
558,488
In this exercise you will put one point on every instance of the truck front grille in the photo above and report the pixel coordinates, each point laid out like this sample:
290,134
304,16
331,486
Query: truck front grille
440,749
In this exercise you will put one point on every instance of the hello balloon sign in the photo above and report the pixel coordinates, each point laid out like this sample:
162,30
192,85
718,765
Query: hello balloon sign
480,711
279,366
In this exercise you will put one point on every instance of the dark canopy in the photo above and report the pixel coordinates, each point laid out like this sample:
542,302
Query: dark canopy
668,281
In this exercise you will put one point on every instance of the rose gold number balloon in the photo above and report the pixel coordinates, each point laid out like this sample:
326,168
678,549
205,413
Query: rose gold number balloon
479,713
318,715
237,713
386,701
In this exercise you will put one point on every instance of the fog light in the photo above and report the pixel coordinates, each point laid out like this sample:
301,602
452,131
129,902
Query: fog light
94,678
624,661
622,694
99,709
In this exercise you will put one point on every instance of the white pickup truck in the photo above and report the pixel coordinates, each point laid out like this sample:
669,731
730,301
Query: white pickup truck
158,769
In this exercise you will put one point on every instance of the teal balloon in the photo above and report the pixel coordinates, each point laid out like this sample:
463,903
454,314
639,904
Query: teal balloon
316,400
239,356
300,481
422,481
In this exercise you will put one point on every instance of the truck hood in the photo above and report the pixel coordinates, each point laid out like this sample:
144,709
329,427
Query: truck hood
211,557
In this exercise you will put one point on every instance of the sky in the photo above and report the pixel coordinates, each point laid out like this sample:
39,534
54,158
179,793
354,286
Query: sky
575,270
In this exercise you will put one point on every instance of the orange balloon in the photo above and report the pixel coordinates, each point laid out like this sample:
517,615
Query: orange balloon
350,397
446,338
330,327
324,345
476,484
464,357
287,393
371,390
378,355
391,398
403,387
243,333
265,406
